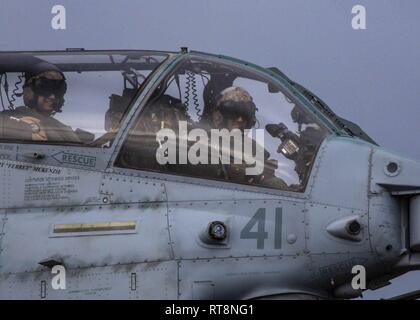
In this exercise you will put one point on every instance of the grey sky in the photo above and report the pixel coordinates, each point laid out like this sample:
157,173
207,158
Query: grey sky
371,77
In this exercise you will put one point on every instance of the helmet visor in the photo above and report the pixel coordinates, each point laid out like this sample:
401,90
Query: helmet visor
47,87
233,110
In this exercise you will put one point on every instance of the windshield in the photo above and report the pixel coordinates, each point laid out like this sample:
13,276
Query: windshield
214,120
343,124
70,98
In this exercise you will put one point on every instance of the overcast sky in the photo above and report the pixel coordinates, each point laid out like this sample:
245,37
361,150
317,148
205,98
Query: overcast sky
370,76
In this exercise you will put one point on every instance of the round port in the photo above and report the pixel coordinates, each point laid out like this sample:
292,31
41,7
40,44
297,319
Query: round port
392,168
354,228
217,230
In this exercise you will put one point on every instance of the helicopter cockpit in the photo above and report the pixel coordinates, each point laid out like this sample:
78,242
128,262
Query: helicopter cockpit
229,122
209,97
70,98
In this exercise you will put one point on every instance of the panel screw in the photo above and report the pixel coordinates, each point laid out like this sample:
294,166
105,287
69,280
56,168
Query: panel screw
291,238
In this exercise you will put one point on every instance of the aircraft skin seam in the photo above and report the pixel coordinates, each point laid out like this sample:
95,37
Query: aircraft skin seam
178,279
329,205
18,210
2,233
168,225
369,196
307,233
63,209
315,169
195,260
173,178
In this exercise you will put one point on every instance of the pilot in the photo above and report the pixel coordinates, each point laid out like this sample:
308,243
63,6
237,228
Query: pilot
43,96
235,109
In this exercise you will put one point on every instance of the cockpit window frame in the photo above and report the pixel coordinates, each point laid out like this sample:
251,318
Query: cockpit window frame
166,56
109,155
260,72
283,84
41,153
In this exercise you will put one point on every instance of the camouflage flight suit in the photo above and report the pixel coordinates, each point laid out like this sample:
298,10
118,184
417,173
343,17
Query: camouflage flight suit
27,124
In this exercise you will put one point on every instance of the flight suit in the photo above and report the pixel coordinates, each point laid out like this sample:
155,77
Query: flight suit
28,124
237,172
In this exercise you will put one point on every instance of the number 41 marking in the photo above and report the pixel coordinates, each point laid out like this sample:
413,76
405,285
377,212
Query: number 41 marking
259,220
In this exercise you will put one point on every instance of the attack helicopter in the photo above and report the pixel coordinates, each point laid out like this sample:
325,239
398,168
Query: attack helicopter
117,166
